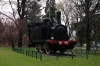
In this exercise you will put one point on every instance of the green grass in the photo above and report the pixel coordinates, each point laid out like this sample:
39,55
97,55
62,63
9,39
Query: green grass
11,58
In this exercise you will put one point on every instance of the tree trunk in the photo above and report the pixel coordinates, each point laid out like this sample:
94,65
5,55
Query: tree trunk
13,45
20,31
88,38
21,12
20,38
87,24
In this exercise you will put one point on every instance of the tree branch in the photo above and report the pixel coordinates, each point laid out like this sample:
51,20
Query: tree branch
19,8
12,9
23,8
13,14
9,18
93,11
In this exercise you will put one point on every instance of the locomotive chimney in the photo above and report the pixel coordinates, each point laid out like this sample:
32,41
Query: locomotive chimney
58,17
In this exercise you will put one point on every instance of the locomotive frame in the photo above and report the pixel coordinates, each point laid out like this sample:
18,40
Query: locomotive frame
46,37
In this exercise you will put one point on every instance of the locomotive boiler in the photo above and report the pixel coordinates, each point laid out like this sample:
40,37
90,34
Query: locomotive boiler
47,36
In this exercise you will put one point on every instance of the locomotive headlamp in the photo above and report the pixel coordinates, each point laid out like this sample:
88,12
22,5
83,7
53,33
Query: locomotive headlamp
52,37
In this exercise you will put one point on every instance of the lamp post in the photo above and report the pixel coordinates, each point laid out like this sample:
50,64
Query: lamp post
49,7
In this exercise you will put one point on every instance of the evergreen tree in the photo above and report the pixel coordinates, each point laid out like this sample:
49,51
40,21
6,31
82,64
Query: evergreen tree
33,11
50,9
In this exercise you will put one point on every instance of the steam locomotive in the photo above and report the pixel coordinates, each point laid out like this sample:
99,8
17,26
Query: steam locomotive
48,37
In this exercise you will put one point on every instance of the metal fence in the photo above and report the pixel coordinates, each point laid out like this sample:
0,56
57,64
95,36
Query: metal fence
75,53
31,53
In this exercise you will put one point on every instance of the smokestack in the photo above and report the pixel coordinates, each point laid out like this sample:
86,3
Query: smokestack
58,17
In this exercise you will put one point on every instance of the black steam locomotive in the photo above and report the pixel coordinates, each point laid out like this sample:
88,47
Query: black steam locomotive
49,37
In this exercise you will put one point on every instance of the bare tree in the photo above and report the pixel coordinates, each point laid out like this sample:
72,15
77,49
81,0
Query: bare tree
18,22
89,12
66,7
10,33
89,8
21,13
1,31
7,18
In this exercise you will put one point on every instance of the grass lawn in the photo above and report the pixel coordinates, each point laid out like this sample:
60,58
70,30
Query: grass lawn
11,58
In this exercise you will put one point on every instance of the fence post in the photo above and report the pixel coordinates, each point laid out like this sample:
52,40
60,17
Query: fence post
56,55
81,50
13,49
95,52
36,55
72,55
40,56
32,53
23,51
76,50
26,52
86,54
16,50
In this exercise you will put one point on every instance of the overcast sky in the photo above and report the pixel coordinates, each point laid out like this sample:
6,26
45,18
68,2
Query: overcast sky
7,8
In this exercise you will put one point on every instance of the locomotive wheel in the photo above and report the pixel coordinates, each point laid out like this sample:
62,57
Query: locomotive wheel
37,50
42,50
62,51
47,51
54,51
